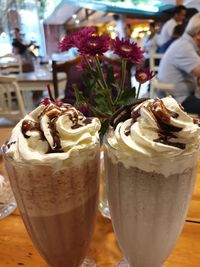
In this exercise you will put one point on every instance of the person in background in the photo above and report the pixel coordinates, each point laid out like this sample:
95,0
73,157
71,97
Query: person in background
179,16
120,25
180,65
150,42
18,44
25,50
177,32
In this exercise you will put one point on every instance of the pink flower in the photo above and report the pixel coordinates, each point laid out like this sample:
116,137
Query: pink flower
66,43
82,34
93,45
143,75
127,50
74,39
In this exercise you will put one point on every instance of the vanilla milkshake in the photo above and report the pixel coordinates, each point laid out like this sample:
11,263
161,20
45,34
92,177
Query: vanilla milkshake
150,163
52,159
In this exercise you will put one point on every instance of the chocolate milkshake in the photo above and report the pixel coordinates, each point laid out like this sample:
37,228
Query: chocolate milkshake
52,159
150,163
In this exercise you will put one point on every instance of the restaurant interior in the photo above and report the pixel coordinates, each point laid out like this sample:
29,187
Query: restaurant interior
39,63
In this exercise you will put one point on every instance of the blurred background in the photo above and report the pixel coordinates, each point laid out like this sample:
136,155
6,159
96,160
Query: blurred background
45,22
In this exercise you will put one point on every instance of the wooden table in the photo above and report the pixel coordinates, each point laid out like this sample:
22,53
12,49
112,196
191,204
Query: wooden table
16,249
32,81
38,81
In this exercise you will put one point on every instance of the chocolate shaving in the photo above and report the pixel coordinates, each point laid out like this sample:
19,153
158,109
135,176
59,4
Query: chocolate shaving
29,125
54,134
166,141
163,116
124,113
9,144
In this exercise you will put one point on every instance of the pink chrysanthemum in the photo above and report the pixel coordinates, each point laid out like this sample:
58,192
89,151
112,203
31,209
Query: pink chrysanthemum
127,50
94,45
66,43
74,39
143,75
82,34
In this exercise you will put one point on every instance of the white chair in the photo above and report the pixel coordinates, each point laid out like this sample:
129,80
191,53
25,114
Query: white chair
12,109
10,63
167,88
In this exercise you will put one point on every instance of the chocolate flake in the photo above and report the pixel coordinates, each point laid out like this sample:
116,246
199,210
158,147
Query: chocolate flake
166,141
29,125
124,113
9,144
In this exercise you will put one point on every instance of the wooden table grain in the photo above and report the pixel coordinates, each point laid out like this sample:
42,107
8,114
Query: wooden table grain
16,248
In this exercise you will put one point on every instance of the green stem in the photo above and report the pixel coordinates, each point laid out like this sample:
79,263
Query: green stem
90,68
99,69
122,82
106,89
123,77
138,91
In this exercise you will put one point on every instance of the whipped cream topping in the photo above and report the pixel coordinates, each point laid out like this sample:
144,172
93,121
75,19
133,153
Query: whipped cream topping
51,129
156,128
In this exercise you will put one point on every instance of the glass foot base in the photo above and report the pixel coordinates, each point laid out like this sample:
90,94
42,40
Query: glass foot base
124,263
88,262
7,210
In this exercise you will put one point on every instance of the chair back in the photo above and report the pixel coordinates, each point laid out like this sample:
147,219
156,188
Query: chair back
167,88
11,107
66,67
10,63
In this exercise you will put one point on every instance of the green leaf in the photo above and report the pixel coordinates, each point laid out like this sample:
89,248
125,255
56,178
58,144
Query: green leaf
80,99
110,79
127,95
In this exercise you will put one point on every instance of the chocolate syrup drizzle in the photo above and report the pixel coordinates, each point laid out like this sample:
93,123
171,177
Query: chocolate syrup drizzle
162,116
53,112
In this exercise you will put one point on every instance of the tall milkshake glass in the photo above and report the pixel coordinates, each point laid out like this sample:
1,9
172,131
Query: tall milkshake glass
150,173
52,160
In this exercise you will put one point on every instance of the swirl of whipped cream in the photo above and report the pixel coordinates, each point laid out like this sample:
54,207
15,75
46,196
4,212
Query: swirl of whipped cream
156,128
51,129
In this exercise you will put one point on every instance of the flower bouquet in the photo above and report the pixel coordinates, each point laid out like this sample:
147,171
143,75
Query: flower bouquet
106,89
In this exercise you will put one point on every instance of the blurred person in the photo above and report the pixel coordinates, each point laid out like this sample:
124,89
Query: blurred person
177,32
18,44
150,42
179,16
180,65
25,50
128,31
120,25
